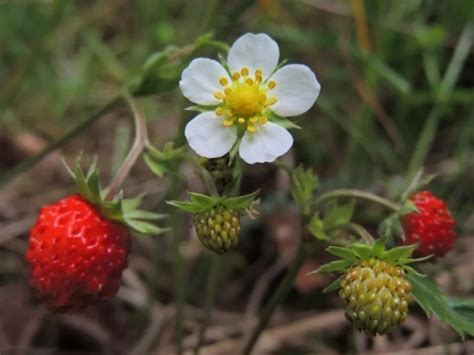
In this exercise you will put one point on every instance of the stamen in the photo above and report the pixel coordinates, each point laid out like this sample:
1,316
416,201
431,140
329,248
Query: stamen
236,76
223,81
241,120
251,128
271,100
258,78
253,119
228,91
228,123
271,84
219,111
244,71
218,95
258,72
249,81
228,113
262,120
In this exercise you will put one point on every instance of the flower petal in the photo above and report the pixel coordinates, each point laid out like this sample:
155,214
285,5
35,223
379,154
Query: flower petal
254,51
208,137
266,144
296,90
200,80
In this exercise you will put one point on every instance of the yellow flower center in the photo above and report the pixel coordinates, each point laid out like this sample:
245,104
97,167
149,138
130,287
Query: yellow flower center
245,99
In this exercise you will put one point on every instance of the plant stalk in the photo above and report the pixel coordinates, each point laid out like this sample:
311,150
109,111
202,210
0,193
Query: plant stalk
352,193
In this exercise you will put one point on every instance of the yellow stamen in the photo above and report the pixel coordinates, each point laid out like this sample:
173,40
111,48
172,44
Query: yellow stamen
228,113
228,91
272,100
271,84
262,120
244,71
218,95
249,81
258,78
219,111
258,72
228,123
253,119
223,81
236,76
241,120
251,129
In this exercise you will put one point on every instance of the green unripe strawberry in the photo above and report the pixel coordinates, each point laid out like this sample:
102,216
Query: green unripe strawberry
376,294
218,228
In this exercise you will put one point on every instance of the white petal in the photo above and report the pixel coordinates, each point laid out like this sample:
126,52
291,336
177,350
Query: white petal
296,90
200,80
266,144
208,137
254,51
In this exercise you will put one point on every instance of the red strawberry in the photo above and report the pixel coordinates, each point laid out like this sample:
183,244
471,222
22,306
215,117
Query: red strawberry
76,254
432,226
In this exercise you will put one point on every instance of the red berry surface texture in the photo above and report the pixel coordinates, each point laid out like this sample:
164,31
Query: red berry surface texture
432,226
76,255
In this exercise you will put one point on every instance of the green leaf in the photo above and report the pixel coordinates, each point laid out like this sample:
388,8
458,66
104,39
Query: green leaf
363,250
316,228
432,300
378,249
146,215
303,185
157,168
333,286
241,202
338,215
282,121
333,266
344,253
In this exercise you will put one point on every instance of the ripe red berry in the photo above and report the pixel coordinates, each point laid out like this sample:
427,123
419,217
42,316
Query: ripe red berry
432,226
76,254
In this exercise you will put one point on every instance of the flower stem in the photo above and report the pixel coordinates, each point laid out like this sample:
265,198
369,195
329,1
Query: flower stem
351,193
361,232
211,287
279,295
141,139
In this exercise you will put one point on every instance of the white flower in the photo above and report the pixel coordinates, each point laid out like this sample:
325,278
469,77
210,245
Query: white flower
243,99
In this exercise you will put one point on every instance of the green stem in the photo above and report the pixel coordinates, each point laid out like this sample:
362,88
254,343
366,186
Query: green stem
211,288
351,193
279,295
361,232
30,163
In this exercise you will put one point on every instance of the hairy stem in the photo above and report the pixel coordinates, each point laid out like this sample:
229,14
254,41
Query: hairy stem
139,143
351,193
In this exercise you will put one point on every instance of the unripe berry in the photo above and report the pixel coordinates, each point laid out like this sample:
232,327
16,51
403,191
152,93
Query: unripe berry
218,228
376,295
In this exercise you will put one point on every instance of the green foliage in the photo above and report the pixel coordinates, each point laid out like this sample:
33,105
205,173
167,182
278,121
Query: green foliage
334,218
165,161
455,312
303,186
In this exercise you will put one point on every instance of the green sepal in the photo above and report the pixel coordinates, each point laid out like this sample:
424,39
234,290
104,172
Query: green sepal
118,209
433,301
333,286
343,253
417,183
333,266
200,202
281,121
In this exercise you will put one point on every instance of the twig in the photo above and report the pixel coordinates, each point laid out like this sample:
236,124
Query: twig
351,193
141,139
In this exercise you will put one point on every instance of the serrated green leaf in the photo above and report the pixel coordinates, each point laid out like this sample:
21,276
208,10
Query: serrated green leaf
316,228
240,202
344,253
303,186
333,266
338,216
155,166
432,300
333,286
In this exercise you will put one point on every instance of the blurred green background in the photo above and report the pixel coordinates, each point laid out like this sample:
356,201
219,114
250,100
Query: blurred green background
397,93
